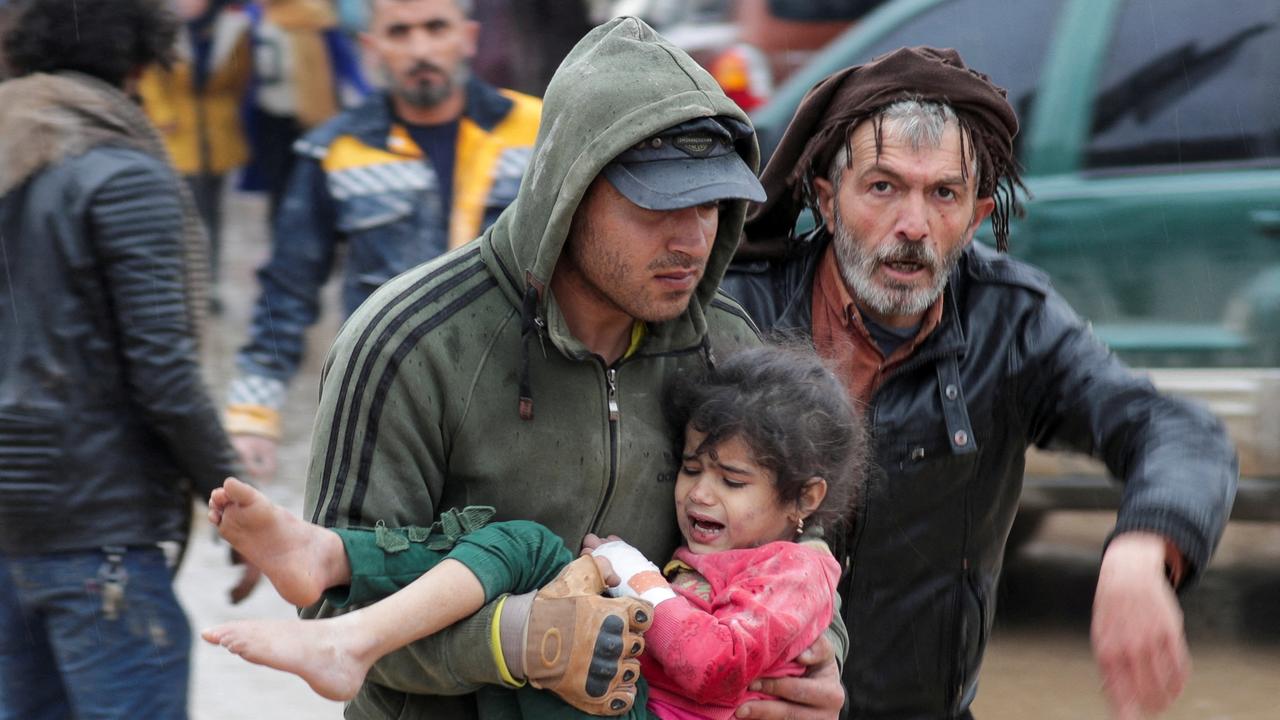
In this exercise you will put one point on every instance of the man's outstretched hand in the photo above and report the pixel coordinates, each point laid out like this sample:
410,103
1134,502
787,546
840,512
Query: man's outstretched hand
1138,637
816,695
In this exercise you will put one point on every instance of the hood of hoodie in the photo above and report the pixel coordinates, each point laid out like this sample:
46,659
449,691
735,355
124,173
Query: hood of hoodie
46,118
620,84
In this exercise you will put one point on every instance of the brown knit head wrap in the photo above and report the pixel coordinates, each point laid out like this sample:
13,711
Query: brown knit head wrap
829,112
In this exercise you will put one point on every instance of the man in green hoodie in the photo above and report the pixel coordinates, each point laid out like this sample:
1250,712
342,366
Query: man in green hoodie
524,371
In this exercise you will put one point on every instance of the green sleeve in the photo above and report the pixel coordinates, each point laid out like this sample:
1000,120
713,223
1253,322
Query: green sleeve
517,556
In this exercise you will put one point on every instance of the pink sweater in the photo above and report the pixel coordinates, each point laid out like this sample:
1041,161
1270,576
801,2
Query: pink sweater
756,611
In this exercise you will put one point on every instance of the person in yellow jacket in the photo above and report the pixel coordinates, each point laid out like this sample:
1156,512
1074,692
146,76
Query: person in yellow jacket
304,68
196,102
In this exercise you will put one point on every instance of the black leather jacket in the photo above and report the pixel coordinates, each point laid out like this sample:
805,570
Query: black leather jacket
1010,365
103,415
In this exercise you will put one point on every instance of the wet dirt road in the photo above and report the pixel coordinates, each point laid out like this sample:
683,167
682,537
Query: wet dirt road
1037,666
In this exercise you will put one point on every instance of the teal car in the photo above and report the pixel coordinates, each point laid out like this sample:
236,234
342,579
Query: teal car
1151,147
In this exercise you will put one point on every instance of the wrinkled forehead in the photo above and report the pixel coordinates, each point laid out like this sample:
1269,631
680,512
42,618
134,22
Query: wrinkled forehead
946,145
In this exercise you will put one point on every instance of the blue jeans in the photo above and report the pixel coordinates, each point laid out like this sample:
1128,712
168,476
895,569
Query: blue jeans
92,635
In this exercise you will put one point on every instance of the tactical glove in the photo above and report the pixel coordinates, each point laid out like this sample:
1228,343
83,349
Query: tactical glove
576,643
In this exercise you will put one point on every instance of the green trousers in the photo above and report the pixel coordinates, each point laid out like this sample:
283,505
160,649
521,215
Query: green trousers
516,556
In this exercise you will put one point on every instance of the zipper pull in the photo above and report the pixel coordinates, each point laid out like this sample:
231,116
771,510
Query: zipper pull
542,333
611,377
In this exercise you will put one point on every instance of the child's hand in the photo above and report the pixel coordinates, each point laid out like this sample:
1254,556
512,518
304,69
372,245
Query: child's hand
606,571
589,543
638,577
592,541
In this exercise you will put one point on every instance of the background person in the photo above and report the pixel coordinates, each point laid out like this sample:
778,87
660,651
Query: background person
962,358
417,169
105,427
195,101
304,69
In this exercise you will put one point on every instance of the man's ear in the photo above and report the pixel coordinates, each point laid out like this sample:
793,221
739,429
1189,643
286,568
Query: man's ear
471,29
812,495
826,192
981,211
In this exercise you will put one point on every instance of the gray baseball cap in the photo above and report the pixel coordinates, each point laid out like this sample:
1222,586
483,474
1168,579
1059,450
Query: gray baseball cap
685,165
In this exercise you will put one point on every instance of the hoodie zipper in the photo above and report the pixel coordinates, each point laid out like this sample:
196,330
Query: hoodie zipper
611,382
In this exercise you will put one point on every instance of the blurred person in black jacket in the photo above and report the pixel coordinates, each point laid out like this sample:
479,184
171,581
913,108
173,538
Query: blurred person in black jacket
105,426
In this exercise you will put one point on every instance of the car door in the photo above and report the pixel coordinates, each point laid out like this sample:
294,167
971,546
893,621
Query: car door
1156,179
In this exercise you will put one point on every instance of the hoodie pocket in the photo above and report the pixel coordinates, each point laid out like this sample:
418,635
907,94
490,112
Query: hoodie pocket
29,454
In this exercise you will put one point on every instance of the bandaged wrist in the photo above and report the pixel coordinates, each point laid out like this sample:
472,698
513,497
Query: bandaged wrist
639,577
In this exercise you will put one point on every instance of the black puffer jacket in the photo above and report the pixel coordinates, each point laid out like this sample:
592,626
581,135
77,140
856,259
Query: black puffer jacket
103,415
1010,365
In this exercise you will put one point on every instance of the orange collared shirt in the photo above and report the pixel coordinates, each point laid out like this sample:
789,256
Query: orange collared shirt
840,337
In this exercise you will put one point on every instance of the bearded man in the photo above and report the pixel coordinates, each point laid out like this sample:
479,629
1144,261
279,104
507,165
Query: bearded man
962,358
423,167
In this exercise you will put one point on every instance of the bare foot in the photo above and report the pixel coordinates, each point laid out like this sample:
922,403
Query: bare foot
300,559
318,651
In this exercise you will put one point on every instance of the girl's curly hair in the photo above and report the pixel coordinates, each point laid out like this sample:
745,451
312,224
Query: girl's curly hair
794,415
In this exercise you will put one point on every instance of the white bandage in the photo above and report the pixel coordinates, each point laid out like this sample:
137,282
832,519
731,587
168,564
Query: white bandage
640,578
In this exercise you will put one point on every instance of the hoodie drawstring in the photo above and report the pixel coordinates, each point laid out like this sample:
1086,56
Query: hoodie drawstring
528,328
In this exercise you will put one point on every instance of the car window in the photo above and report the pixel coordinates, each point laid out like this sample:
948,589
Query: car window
1188,81
1010,46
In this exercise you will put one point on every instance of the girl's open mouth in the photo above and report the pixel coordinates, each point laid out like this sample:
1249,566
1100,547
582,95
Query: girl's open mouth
704,530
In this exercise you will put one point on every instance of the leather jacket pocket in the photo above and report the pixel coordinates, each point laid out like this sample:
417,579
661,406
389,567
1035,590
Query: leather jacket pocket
30,450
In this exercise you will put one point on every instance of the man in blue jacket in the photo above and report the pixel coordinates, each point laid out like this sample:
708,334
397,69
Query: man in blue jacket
416,170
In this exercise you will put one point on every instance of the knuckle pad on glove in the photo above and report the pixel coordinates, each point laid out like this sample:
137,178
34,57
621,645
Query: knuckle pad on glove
641,615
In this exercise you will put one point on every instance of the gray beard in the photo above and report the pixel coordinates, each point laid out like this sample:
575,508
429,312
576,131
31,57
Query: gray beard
858,267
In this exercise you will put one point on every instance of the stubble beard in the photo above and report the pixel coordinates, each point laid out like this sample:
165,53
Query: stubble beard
858,267
424,95
616,283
